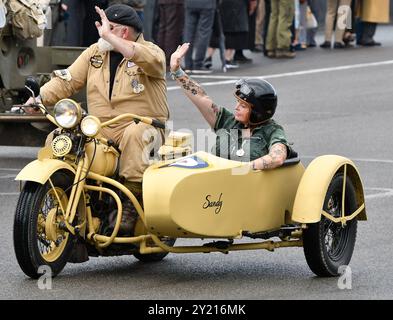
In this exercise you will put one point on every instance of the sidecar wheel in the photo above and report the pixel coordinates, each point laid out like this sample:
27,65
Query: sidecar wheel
35,226
329,245
155,257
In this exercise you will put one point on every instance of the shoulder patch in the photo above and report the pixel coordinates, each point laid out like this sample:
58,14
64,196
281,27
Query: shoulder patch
64,74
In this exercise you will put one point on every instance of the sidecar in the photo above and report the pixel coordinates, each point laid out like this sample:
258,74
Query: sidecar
204,196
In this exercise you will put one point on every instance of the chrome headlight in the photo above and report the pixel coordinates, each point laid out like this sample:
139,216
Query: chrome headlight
90,126
67,113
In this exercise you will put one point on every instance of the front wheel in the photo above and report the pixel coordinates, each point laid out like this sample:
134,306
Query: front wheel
38,239
328,245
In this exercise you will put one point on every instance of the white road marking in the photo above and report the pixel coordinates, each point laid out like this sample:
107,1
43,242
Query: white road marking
7,176
10,169
233,79
384,193
358,159
9,193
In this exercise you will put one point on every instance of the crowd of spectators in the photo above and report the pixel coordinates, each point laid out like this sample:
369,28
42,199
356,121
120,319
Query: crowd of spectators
275,28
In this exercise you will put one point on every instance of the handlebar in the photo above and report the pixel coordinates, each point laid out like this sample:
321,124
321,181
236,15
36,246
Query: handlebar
150,121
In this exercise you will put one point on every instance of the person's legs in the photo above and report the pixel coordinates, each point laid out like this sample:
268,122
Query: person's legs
162,29
303,24
311,32
204,31
271,38
286,15
331,12
369,29
343,16
260,20
190,27
174,23
136,144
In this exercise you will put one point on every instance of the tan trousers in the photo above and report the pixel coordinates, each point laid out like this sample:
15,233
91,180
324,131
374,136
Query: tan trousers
260,20
332,13
135,142
281,17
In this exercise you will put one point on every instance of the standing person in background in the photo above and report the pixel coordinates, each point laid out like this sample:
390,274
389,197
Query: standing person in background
198,26
278,39
150,20
234,14
171,24
268,10
317,9
259,26
335,13
90,33
252,15
371,13
137,5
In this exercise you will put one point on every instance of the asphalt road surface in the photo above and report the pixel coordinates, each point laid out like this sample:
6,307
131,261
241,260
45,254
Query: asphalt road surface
330,102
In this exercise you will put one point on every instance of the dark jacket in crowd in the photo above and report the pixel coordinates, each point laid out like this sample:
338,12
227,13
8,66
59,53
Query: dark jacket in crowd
234,15
200,4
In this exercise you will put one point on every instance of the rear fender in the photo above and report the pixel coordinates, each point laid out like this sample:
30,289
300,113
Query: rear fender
314,184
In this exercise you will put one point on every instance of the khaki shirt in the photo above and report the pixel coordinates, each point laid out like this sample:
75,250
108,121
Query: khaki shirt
231,145
145,70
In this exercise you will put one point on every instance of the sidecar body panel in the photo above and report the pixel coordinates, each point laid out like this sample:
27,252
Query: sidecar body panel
40,170
314,185
205,196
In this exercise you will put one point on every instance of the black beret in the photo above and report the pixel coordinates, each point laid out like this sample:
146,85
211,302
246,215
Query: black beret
125,15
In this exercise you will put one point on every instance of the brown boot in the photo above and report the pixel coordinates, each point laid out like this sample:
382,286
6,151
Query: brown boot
128,219
285,54
130,215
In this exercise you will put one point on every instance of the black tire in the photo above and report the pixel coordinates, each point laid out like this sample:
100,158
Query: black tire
30,240
155,257
328,245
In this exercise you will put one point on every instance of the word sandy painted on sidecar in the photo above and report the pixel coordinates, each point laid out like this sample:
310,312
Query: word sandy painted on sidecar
202,195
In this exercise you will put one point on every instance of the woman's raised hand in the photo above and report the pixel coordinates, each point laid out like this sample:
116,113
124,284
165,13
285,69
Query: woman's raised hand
178,55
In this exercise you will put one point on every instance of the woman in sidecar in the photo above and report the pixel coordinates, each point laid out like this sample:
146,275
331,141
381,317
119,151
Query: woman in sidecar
248,134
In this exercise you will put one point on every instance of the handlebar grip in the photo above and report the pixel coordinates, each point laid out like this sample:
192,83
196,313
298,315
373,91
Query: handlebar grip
157,124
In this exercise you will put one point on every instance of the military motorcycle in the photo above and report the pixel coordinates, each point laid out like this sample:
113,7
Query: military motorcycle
73,187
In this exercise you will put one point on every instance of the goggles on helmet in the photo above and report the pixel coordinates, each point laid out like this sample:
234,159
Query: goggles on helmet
243,90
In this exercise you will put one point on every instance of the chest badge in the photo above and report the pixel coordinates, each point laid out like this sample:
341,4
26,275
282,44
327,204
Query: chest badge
96,61
130,64
136,86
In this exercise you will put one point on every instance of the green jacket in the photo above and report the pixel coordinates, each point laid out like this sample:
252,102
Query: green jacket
231,145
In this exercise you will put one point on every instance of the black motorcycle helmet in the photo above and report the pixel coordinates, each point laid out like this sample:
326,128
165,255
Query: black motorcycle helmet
261,95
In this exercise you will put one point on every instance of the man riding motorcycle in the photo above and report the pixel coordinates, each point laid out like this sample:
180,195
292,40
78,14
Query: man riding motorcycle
122,73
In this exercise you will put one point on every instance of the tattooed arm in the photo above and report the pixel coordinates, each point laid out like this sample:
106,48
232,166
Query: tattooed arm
275,158
193,90
199,98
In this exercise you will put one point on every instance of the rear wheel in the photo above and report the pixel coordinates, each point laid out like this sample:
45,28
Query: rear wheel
38,240
329,245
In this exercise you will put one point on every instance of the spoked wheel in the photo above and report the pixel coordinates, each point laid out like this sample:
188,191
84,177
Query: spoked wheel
155,257
38,238
329,245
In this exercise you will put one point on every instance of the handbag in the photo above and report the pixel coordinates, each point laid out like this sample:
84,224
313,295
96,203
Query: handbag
311,20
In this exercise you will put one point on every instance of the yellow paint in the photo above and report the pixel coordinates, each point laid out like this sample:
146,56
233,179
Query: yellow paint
176,200
40,170
314,184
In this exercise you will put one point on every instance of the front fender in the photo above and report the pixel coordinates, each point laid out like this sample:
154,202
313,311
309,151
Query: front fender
40,170
313,186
